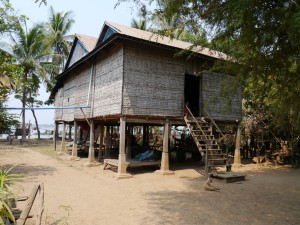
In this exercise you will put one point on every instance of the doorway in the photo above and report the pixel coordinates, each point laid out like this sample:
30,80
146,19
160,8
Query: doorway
192,93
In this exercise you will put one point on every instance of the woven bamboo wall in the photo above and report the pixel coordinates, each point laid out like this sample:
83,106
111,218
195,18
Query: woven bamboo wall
73,93
107,97
58,103
81,82
221,108
153,82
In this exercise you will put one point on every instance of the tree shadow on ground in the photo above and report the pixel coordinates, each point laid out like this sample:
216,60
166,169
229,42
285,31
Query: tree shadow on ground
30,170
260,200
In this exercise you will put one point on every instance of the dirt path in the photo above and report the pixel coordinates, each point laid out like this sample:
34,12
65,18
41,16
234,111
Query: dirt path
266,197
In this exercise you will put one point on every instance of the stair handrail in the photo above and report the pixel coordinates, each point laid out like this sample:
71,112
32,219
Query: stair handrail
191,114
206,139
214,123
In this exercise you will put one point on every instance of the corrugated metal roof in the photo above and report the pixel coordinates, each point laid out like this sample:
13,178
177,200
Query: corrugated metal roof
156,38
89,42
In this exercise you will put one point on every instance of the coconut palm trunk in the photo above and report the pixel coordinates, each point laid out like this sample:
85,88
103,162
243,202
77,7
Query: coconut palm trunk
36,124
24,98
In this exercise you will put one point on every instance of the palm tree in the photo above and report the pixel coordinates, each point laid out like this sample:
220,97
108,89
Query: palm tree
58,27
174,25
30,50
139,24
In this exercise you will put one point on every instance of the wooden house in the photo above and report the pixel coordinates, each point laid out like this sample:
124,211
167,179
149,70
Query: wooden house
129,77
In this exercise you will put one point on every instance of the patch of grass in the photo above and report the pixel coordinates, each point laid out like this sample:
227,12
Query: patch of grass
44,149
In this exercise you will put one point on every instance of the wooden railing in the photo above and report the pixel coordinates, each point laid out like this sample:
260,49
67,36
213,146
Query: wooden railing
216,126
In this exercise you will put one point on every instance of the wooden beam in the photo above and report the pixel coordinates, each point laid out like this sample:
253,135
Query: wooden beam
85,117
40,205
28,206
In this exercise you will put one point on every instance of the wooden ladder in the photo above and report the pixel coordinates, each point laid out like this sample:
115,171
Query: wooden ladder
208,146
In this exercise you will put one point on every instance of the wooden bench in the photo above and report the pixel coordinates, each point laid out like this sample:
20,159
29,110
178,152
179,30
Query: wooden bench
129,163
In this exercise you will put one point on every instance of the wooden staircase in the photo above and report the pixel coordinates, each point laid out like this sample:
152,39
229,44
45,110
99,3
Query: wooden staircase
202,133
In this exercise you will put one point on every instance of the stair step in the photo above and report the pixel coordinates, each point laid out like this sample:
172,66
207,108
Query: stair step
201,135
215,154
222,159
203,128
216,165
198,121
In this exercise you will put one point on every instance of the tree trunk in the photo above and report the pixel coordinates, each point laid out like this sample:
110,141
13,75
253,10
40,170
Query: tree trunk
36,124
23,106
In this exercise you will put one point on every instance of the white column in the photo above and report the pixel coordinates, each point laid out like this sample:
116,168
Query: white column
122,157
63,138
54,135
91,149
237,152
164,169
74,149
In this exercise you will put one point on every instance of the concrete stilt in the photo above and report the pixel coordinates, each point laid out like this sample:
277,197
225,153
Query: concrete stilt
237,152
74,149
63,140
55,135
122,157
91,148
164,169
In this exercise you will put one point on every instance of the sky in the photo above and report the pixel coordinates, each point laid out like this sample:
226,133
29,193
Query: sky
89,16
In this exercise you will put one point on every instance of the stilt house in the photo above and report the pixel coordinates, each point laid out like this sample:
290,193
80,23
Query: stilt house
128,77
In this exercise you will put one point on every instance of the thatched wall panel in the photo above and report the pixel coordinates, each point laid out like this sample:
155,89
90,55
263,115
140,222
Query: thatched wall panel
221,108
153,82
58,103
107,98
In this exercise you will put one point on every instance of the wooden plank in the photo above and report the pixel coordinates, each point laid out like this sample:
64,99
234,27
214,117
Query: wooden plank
130,163
41,205
25,212
229,177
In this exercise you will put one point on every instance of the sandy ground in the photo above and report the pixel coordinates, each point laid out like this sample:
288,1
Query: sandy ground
267,196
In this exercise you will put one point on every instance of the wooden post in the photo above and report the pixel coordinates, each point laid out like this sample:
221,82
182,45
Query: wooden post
107,142
122,157
91,149
164,169
63,139
70,131
128,147
41,205
237,152
55,135
144,135
74,149
80,134
101,141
